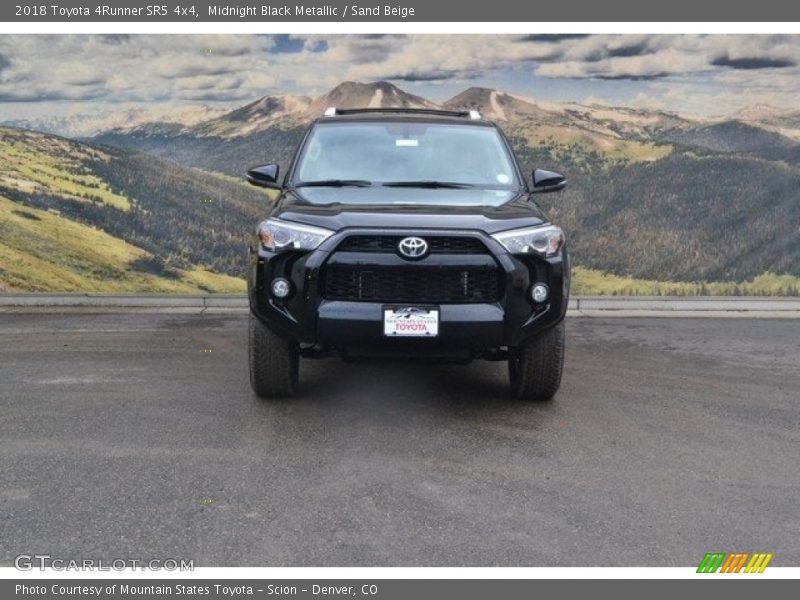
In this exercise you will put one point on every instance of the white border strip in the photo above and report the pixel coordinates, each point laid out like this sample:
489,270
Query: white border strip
350,27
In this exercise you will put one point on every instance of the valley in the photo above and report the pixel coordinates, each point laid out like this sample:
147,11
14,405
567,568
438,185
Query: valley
657,202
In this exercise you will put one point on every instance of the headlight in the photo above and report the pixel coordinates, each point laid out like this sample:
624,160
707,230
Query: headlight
544,240
278,235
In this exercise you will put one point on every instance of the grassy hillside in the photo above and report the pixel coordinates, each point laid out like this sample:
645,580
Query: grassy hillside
591,282
41,251
79,217
39,163
583,147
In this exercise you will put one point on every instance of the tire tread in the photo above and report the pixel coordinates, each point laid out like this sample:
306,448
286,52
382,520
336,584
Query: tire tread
540,365
273,362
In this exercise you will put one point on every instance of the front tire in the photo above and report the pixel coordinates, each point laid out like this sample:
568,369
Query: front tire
274,362
535,369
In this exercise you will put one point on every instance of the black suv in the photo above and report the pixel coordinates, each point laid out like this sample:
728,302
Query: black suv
407,234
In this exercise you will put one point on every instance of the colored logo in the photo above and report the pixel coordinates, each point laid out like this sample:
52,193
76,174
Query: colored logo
735,562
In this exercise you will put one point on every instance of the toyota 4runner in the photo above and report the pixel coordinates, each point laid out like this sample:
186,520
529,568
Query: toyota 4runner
407,234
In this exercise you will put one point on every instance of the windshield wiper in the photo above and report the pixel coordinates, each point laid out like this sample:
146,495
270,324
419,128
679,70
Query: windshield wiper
334,183
430,184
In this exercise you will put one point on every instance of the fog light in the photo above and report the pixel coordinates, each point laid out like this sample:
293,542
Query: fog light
540,292
281,287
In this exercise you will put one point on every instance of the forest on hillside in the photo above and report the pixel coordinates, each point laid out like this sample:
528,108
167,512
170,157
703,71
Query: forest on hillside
694,215
685,217
182,216
228,155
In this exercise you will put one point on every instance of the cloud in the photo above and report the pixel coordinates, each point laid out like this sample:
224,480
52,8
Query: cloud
753,62
382,36
552,38
370,52
46,95
125,68
228,69
80,75
648,57
208,82
632,68
115,39
426,56
629,77
627,50
191,66
429,76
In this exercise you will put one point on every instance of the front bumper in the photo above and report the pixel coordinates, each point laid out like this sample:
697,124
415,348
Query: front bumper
466,329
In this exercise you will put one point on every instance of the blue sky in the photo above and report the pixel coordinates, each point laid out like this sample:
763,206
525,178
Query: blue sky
703,74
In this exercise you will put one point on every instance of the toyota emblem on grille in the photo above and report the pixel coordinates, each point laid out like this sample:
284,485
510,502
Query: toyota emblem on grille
412,247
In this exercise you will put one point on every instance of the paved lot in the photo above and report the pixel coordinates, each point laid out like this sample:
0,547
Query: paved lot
121,437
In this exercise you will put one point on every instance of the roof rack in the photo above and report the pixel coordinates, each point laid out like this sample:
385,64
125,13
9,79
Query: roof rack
474,115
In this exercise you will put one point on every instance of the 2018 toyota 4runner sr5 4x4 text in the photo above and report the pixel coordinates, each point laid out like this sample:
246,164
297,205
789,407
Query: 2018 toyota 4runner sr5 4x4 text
407,234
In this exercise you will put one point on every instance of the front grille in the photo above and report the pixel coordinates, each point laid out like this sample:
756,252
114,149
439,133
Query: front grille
436,244
411,284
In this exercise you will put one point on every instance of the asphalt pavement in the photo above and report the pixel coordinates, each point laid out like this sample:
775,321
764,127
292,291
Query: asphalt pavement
136,436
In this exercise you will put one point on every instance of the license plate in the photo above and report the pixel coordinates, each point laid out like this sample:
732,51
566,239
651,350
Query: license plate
411,322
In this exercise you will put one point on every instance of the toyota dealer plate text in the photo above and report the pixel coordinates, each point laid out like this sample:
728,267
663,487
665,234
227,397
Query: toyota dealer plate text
411,322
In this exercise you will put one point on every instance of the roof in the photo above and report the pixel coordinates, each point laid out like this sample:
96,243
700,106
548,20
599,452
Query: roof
426,115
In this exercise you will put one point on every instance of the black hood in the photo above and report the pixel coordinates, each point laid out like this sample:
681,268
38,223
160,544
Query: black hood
413,208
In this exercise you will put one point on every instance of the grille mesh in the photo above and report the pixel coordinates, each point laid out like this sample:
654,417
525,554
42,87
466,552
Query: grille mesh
436,244
411,284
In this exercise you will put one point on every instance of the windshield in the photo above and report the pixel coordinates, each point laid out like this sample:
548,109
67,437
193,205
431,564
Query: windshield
430,155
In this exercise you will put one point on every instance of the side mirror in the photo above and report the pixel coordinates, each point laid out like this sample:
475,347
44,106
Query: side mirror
264,176
548,181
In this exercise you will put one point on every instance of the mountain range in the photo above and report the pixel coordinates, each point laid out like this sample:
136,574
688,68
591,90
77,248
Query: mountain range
270,127
285,110
83,124
653,195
